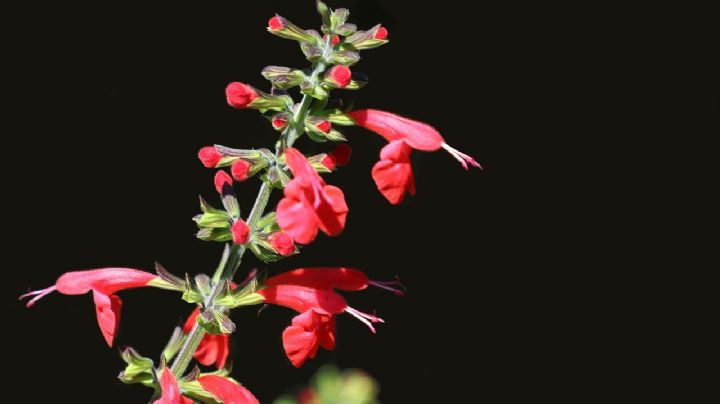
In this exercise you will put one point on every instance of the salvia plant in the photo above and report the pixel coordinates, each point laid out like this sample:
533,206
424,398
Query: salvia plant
308,206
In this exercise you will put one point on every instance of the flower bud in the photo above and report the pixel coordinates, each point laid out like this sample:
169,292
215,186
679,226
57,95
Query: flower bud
279,121
324,126
342,154
369,39
209,156
240,232
334,41
282,243
329,162
339,76
240,95
285,29
222,178
321,130
240,170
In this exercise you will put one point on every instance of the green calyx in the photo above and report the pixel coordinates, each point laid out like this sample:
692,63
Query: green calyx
138,370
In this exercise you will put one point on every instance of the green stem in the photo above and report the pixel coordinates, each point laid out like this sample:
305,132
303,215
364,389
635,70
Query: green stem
227,269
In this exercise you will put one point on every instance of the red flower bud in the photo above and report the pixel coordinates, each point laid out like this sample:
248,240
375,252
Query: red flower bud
276,23
381,33
282,243
341,75
209,156
221,178
324,126
240,95
329,162
240,170
240,232
342,154
279,123
334,41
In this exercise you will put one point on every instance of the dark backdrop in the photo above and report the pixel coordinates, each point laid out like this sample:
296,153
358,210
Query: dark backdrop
503,266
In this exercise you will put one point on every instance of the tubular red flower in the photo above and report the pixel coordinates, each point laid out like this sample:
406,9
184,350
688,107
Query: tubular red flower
303,298
342,153
309,204
240,170
308,331
393,174
282,243
240,232
209,156
170,390
322,278
104,283
381,33
240,95
221,178
213,349
340,75
417,135
226,390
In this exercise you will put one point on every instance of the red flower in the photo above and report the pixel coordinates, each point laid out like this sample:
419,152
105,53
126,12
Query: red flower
309,204
282,243
170,390
226,390
103,283
309,291
213,349
329,162
276,23
240,232
393,174
209,156
240,95
342,153
221,178
340,75
381,33
240,170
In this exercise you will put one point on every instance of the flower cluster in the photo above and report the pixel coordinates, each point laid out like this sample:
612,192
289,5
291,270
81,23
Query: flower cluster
309,205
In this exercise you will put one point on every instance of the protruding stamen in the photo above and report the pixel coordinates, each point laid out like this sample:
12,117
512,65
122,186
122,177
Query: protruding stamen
252,274
388,285
364,317
461,157
39,294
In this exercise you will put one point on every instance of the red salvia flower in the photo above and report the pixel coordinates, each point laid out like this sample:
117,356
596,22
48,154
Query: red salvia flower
309,291
240,95
226,390
170,390
393,174
381,33
240,232
209,156
213,349
240,170
103,283
309,204
340,75
282,243
221,178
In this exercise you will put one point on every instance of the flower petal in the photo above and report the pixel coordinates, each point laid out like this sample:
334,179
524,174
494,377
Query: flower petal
297,219
302,298
226,390
332,210
107,309
170,390
393,180
322,278
418,135
106,280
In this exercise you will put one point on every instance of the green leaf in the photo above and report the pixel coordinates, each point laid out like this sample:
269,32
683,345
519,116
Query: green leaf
338,17
346,29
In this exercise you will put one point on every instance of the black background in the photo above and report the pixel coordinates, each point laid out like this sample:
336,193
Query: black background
514,272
